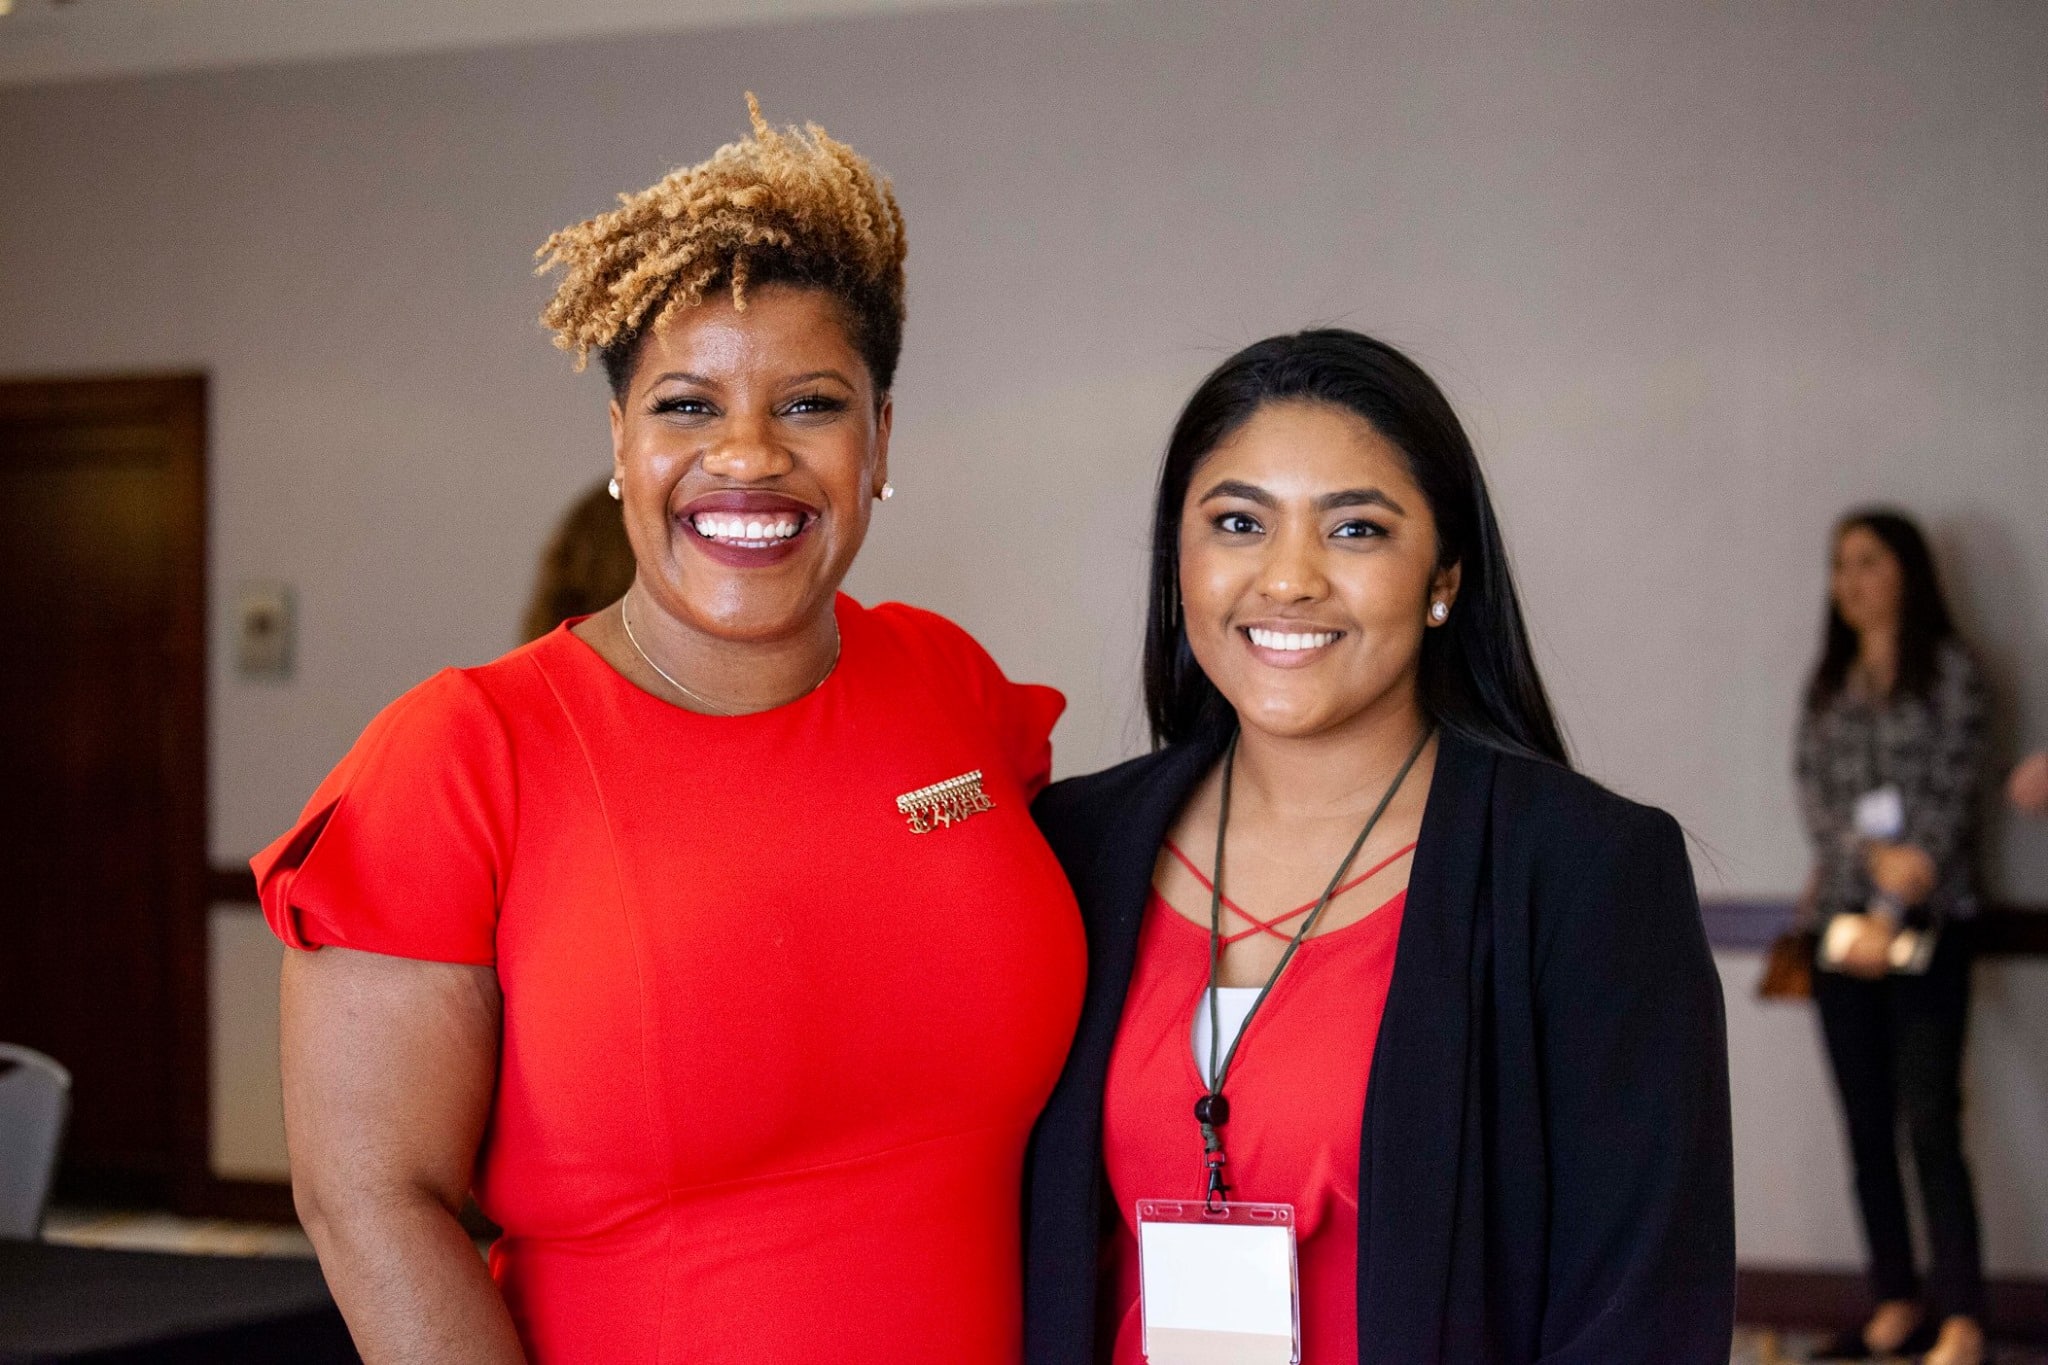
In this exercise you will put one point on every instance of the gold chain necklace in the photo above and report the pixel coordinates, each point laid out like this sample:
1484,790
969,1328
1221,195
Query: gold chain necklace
716,708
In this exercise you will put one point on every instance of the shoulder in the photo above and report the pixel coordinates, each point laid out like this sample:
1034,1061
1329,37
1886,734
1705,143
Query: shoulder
1021,716
456,708
1561,803
503,701
519,677
1953,654
917,628
1094,793
447,734
1572,834
1607,879
1077,813
1956,668
403,845
924,639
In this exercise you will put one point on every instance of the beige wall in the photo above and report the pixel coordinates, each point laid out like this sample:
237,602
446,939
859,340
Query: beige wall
248,1103
1697,276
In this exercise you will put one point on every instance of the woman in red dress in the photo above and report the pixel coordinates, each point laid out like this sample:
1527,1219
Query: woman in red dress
707,939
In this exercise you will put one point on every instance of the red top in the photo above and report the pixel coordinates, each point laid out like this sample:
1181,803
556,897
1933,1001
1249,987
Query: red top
1297,1104
769,1058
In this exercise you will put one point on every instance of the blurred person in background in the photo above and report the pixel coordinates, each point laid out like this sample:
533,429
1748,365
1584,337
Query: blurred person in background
709,938
587,566
1891,766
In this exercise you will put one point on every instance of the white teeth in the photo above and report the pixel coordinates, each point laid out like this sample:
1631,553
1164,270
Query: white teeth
1290,642
751,534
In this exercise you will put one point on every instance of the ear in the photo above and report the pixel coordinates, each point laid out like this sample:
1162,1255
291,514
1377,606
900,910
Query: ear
618,422
1444,586
885,422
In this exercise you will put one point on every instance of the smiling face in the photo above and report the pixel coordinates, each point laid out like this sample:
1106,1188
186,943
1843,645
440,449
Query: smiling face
1866,581
749,448
1308,566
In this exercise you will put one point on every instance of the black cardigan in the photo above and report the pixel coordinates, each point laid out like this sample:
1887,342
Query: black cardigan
1546,1172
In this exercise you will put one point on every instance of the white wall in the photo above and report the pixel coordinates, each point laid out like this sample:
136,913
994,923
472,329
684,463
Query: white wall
1699,277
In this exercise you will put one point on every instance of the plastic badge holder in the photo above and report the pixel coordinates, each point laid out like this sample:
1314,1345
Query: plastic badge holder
1218,1286
1881,814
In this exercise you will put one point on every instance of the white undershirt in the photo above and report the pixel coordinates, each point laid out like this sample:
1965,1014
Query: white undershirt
1233,1003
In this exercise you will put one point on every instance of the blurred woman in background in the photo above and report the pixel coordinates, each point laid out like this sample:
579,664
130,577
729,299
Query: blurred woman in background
1891,764
587,566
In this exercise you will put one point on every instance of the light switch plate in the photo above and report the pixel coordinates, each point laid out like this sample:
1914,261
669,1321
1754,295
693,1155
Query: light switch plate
265,627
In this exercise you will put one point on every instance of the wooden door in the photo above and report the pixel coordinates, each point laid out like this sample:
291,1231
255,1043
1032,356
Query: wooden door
102,768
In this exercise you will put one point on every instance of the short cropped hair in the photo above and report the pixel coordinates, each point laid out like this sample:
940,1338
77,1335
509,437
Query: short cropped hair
777,207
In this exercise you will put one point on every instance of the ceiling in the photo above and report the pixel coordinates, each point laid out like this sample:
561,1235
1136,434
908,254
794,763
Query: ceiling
57,40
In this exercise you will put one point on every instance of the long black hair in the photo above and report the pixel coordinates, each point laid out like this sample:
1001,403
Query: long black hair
1477,677
1924,621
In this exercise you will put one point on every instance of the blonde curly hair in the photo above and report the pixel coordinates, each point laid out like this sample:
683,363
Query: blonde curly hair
778,207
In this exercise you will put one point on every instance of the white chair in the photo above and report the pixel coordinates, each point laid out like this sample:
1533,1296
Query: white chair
35,1097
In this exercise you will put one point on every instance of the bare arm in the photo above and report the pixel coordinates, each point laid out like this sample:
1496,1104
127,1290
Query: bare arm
389,1066
2028,787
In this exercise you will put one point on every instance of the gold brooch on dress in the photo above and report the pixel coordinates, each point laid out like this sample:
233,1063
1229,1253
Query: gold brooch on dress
944,803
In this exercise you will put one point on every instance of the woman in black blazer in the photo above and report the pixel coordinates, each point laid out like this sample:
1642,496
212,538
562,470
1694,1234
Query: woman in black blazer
1543,1169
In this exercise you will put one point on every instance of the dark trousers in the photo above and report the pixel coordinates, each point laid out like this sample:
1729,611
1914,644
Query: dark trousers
1896,1046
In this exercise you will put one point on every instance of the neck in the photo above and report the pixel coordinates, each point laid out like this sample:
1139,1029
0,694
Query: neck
1338,774
724,675
1878,646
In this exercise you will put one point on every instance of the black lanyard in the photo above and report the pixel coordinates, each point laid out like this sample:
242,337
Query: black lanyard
1212,1110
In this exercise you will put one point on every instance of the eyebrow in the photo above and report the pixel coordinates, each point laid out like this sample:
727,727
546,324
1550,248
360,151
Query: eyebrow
705,382
1328,502
686,376
808,376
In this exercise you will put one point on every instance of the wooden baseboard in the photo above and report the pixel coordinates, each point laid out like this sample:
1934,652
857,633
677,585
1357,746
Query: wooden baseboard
1834,1300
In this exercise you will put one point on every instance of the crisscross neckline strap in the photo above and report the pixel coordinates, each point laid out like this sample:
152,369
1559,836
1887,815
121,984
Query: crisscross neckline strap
1273,926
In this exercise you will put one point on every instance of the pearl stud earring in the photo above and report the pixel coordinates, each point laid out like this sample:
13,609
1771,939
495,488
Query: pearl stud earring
613,489
888,491
1439,612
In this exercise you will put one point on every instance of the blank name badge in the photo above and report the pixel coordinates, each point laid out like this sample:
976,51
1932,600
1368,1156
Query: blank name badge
1218,1284
1881,813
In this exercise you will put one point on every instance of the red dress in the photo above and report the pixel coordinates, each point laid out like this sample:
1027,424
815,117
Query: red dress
769,1057
1297,1105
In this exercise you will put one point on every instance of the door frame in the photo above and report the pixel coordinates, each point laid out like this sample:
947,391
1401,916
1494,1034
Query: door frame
176,404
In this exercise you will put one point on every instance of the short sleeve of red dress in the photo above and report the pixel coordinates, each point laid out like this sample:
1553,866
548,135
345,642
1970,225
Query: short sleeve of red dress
403,847
1022,715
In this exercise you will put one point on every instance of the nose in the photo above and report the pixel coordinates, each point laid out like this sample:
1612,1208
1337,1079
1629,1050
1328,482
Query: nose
747,452
1293,569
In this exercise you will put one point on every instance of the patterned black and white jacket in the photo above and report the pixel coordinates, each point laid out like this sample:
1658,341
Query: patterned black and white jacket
1932,749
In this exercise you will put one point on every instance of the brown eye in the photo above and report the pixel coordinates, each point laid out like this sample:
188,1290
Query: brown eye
815,404
1236,524
1359,530
687,406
